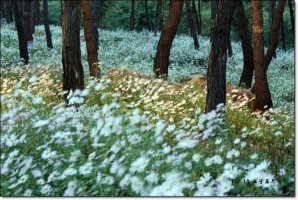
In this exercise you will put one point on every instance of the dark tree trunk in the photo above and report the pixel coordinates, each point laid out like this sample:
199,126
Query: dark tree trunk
261,89
161,61
216,74
274,33
90,40
33,15
248,67
158,14
147,15
230,49
272,5
28,20
200,17
37,17
96,10
21,33
194,10
132,15
73,75
283,37
213,8
46,24
6,11
292,17
192,24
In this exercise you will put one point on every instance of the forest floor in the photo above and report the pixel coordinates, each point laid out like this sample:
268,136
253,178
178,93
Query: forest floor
128,134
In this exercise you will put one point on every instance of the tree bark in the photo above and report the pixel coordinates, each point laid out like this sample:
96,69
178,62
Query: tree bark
274,33
20,30
262,92
272,5
283,37
28,20
292,17
37,17
216,74
132,15
200,17
213,8
158,12
192,24
161,61
73,75
230,49
96,10
194,10
147,15
46,24
6,9
248,67
90,40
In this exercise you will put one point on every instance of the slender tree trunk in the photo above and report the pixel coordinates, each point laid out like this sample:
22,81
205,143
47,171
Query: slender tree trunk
248,67
96,7
21,33
73,75
216,74
283,37
194,10
200,17
46,24
230,49
274,33
147,15
192,24
33,15
6,11
28,20
272,5
132,15
262,92
158,13
168,33
37,17
292,17
90,40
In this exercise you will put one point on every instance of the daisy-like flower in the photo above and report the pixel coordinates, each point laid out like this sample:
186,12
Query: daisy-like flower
86,168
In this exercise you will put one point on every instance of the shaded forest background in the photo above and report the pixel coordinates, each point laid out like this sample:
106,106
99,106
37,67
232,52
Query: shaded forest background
115,14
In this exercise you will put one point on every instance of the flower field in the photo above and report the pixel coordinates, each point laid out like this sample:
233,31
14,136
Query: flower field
127,135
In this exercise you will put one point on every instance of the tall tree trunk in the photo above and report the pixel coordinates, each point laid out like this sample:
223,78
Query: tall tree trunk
216,74
73,75
158,14
37,17
90,40
263,96
274,33
213,8
132,15
283,37
292,17
161,61
96,7
272,5
46,24
33,15
230,49
28,20
147,15
192,24
248,67
200,17
6,11
194,10
21,33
